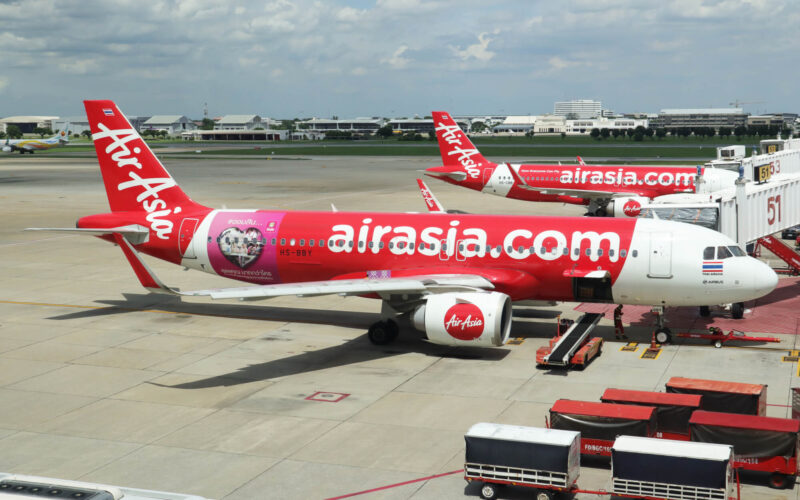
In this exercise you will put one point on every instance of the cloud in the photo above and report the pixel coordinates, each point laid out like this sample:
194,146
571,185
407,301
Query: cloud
397,61
479,51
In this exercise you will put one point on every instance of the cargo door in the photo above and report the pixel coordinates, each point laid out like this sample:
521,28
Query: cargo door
660,255
185,235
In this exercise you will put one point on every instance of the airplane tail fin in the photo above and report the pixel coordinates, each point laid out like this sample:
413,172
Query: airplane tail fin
454,145
63,135
135,180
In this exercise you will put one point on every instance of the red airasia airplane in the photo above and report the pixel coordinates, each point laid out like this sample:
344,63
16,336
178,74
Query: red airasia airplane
607,190
452,275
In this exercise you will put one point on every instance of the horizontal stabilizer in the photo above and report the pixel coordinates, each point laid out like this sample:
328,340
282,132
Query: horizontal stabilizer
134,233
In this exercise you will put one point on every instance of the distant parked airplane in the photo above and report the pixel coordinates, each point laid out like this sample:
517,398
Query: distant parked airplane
31,145
619,190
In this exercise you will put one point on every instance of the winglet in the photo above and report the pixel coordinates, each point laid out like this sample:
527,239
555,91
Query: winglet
580,161
427,196
145,275
518,181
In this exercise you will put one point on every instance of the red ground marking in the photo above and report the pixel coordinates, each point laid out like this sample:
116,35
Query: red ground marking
396,485
328,397
775,313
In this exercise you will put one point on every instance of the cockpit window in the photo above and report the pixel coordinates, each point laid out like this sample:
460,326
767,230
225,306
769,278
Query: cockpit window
723,253
708,253
736,251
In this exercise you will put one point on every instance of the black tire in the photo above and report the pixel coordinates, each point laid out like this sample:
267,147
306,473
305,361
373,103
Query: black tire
778,481
663,336
488,491
544,495
705,311
737,310
383,332
717,343
600,212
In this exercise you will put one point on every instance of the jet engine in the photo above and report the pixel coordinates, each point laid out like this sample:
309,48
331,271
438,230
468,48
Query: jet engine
627,206
471,318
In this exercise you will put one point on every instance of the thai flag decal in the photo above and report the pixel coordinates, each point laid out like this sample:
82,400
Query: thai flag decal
712,267
108,112
379,275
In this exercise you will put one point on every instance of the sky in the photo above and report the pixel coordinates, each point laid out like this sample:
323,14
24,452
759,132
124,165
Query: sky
396,58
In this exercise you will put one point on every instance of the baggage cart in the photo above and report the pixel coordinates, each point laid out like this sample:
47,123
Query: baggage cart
601,423
673,470
759,443
672,410
547,460
719,395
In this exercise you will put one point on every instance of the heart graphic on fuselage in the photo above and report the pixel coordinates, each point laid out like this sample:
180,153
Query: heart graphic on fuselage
241,247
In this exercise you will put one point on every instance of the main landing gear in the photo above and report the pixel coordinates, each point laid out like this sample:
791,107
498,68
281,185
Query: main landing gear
662,334
383,332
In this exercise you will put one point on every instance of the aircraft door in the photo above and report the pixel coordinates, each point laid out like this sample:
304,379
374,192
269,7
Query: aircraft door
443,250
660,255
185,234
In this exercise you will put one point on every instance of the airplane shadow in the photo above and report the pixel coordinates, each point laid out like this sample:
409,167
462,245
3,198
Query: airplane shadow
353,351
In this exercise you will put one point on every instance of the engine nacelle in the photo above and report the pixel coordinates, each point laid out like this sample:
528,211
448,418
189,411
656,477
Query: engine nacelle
458,319
628,206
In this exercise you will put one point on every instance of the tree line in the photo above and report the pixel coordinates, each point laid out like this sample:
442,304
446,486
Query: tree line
640,132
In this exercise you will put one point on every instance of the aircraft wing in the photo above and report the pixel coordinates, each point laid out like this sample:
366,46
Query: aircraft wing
564,191
421,284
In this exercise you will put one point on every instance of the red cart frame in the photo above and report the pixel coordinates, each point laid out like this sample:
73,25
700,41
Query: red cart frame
672,410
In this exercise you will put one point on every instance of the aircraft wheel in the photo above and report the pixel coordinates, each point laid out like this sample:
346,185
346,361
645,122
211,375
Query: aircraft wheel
383,332
717,343
663,336
488,491
737,310
705,311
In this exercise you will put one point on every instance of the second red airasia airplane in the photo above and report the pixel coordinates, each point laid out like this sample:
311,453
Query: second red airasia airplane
607,190
452,275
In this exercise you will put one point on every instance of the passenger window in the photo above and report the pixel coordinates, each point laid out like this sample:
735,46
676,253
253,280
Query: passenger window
623,253
577,252
460,247
708,253
341,243
723,253
611,252
360,244
291,242
599,252
510,249
422,246
635,253
350,243
283,241
566,251
302,243
411,246
736,251
272,242
380,245
322,243
311,243
521,249
330,243
588,252
444,247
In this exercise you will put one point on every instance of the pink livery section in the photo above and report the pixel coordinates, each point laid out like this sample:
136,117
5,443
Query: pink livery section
237,245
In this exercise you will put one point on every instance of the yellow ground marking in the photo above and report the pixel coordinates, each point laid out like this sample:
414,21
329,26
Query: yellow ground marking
651,353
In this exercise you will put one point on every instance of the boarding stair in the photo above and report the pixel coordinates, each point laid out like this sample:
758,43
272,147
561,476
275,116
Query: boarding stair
572,339
782,251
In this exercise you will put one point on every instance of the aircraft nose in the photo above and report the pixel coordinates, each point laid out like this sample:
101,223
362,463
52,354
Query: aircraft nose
764,278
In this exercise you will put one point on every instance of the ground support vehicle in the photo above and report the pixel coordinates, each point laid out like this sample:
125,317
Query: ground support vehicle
672,410
673,470
547,460
601,423
573,347
718,395
718,337
759,443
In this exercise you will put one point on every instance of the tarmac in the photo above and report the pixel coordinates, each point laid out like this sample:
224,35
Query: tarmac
287,398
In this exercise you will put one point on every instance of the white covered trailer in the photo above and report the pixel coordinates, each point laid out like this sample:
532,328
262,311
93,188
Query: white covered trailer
527,456
674,470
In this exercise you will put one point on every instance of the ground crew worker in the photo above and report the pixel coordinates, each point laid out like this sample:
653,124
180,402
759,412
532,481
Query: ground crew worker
619,330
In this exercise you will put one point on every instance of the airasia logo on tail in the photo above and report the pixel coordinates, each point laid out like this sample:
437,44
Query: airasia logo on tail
632,208
464,321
